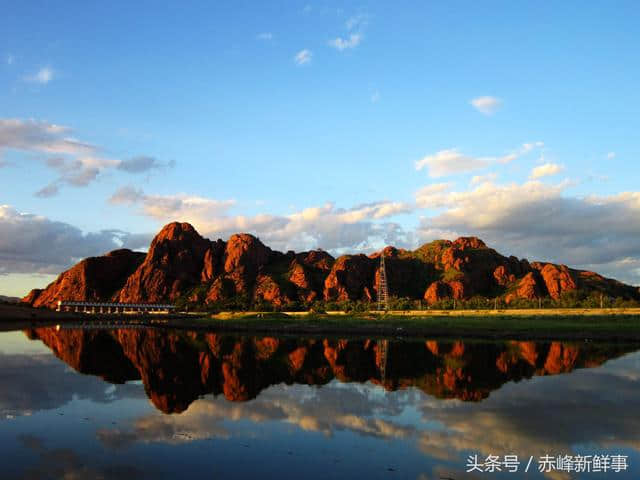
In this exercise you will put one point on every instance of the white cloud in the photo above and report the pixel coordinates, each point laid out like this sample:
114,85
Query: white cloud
32,135
478,179
538,221
42,76
265,36
486,105
533,220
325,226
34,244
447,162
433,195
355,26
451,161
524,149
352,41
303,57
77,163
189,208
611,155
546,170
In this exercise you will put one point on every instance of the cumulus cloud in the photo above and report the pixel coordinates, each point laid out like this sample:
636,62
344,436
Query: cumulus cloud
447,162
532,219
486,105
452,161
42,76
325,226
546,170
352,41
77,163
169,207
433,195
35,244
478,179
303,57
540,221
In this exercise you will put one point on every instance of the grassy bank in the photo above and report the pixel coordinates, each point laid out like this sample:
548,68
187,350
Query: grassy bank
612,324
576,324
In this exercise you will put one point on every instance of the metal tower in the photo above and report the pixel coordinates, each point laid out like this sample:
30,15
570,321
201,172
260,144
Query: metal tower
383,291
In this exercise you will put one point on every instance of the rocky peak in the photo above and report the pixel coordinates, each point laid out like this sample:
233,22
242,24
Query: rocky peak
174,263
317,259
463,243
388,251
246,252
93,279
177,231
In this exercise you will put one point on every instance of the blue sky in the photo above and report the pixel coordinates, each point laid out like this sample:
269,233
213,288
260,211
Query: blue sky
329,125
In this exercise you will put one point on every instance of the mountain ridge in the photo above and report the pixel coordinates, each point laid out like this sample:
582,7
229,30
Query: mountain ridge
181,265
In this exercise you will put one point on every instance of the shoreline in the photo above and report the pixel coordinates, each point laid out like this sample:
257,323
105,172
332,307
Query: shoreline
566,324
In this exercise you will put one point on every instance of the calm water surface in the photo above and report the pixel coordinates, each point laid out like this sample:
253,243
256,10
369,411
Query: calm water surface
170,404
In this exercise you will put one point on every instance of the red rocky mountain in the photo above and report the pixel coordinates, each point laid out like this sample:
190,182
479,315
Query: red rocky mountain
181,264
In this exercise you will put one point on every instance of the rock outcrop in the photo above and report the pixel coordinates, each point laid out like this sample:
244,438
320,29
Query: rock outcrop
172,266
93,279
351,278
557,278
182,265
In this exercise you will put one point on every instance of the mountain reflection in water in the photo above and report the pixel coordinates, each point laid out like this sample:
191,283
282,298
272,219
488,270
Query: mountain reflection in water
226,406
177,367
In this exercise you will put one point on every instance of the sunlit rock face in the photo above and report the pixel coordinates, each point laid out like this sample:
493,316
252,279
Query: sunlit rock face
95,278
182,264
176,367
172,266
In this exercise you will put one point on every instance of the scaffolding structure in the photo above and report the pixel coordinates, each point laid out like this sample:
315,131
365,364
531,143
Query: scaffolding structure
383,289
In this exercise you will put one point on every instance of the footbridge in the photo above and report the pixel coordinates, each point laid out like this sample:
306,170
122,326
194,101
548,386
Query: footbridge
115,308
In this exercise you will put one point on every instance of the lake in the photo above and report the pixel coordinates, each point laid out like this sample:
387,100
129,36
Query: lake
154,403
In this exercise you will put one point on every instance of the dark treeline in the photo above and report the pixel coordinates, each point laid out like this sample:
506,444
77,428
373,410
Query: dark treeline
571,299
